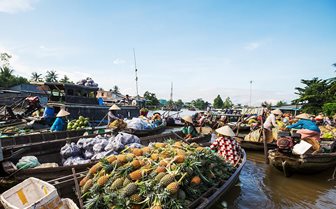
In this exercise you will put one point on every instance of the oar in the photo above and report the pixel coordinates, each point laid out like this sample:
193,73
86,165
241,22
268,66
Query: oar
102,119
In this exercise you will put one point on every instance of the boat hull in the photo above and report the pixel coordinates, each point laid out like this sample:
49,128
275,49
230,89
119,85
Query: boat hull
304,164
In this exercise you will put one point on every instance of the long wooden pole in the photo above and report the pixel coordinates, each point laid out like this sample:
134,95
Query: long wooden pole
265,142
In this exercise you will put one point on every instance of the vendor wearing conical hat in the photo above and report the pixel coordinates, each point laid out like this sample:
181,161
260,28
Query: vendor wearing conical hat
189,129
60,124
226,145
308,128
270,123
112,114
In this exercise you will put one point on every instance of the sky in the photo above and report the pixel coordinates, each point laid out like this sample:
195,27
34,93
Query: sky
206,48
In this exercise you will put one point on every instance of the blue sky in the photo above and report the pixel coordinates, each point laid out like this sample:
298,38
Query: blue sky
205,47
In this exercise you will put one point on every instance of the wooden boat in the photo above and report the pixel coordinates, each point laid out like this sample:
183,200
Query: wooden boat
80,100
51,153
254,146
209,198
65,186
306,164
146,132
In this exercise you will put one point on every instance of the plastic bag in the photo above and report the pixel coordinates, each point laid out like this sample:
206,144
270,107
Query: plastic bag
126,138
27,162
135,145
70,150
75,161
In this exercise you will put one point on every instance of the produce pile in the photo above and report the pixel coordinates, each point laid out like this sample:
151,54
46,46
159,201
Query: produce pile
78,124
87,82
328,132
162,175
87,150
140,124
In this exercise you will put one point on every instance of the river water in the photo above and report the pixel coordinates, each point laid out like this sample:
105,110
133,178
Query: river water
262,186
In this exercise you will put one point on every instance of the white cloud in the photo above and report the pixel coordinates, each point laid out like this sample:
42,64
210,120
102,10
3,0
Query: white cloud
118,61
16,6
252,46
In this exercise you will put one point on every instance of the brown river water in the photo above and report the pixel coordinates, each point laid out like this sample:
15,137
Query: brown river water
262,186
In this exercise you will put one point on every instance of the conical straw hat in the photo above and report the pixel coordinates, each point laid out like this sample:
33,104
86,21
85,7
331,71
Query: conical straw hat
62,113
303,116
226,131
276,112
187,118
114,107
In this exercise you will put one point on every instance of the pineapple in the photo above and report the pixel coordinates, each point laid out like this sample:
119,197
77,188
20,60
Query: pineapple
173,187
136,164
159,177
135,198
111,158
199,149
155,156
179,158
160,145
167,179
94,169
117,184
178,144
87,186
126,182
129,190
122,158
137,152
129,157
163,163
160,169
156,207
83,181
136,175
103,180
146,150
196,180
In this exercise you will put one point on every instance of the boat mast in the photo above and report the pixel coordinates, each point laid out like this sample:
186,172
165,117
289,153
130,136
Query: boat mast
136,74
171,91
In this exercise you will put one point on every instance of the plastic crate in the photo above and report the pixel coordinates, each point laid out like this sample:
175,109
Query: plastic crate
32,193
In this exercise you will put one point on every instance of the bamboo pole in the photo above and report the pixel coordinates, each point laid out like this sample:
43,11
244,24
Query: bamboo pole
265,142
78,193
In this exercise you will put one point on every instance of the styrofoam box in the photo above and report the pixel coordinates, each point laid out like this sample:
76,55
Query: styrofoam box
32,193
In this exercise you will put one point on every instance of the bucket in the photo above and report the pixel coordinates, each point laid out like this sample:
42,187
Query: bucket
49,112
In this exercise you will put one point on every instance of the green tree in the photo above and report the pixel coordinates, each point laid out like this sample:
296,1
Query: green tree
315,94
218,102
329,108
281,103
179,103
65,79
199,104
151,98
266,104
116,89
36,77
7,79
228,103
51,76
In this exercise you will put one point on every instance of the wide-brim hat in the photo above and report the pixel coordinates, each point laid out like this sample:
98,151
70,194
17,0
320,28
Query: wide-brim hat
187,118
114,107
62,113
303,116
276,112
226,131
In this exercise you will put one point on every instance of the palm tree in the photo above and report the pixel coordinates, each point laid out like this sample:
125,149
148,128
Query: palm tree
51,76
36,77
65,79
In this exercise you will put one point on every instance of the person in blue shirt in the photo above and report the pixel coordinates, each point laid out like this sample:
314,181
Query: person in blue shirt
308,128
60,124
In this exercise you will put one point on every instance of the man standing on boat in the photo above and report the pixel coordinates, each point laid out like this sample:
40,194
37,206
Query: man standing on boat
60,124
271,123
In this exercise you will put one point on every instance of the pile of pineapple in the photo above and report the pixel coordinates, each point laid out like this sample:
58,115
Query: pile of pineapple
161,175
